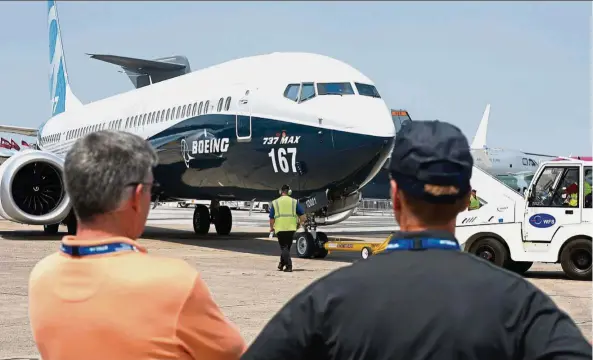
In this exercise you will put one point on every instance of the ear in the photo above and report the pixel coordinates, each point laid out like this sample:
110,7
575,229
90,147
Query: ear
136,197
393,193
466,200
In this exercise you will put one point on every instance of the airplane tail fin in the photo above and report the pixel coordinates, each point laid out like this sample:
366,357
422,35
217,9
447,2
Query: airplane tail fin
479,141
61,96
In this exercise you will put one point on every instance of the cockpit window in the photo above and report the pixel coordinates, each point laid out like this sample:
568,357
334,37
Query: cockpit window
334,89
307,92
367,90
292,92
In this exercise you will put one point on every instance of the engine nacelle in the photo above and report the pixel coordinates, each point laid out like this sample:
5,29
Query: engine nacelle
32,188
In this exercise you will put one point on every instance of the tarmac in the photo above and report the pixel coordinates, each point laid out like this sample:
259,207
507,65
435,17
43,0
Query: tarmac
240,270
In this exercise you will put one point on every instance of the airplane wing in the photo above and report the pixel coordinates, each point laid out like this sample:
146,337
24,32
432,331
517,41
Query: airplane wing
18,130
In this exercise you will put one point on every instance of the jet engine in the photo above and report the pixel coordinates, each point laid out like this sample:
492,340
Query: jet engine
32,188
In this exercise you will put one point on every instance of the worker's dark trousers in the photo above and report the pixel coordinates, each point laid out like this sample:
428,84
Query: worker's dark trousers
285,241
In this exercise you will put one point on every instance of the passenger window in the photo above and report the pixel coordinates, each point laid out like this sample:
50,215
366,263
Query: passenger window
178,112
335,89
195,107
367,90
524,161
292,92
227,104
206,107
183,111
557,187
200,108
307,92
219,106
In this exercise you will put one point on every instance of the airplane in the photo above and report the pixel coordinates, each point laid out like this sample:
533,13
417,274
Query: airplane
238,130
378,187
14,141
503,163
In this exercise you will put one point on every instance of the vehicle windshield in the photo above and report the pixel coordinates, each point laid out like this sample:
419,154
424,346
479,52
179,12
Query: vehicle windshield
335,89
367,90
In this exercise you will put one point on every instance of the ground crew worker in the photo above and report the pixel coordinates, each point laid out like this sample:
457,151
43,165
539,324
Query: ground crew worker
285,215
102,296
423,298
474,203
572,192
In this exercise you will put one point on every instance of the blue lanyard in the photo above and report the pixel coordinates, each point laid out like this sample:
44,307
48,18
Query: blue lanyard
96,250
421,244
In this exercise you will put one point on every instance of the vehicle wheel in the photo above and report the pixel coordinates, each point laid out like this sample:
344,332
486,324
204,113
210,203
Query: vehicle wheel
575,259
223,220
320,252
366,252
51,229
201,219
305,245
490,249
519,267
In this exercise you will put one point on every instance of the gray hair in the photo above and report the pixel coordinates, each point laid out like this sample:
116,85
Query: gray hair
100,166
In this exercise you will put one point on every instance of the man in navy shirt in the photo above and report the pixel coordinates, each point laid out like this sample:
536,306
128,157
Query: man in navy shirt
285,214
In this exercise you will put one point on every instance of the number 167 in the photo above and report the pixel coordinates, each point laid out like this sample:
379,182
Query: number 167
281,154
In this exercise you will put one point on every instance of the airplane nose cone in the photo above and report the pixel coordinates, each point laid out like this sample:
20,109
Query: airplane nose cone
362,157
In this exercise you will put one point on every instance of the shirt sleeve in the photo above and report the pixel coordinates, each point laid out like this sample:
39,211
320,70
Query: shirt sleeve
292,334
271,212
545,331
299,209
203,330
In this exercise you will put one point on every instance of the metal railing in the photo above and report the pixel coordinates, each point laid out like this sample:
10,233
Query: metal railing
374,207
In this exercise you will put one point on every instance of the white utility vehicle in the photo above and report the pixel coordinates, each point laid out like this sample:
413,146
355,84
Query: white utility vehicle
552,224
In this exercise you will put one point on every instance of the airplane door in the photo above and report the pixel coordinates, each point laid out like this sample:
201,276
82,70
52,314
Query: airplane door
243,119
548,207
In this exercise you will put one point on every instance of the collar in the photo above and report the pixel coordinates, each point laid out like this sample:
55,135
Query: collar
423,239
73,241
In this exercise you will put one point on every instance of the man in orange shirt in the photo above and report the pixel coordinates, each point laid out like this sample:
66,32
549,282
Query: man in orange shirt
102,296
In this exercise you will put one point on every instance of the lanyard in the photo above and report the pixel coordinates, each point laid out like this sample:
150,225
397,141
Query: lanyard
96,250
421,244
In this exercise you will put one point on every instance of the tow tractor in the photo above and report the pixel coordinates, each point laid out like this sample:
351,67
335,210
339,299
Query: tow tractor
552,224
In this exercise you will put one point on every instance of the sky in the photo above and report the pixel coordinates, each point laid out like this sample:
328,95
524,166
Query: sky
439,60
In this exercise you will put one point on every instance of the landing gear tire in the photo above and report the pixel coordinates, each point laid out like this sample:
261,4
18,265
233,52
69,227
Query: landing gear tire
492,250
366,252
575,259
320,252
223,220
305,245
201,219
51,229
519,267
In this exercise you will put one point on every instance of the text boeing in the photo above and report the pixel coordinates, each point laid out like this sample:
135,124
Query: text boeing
210,146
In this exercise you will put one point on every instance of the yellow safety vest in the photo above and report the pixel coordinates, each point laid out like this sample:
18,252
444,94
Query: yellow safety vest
474,203
587,188
573,200
285,217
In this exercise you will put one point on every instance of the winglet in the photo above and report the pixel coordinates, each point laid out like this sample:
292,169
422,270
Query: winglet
479,141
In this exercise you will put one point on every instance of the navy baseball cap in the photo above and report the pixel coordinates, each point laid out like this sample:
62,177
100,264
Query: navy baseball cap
431,160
